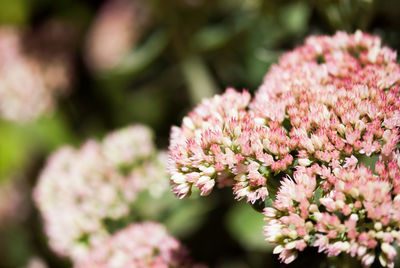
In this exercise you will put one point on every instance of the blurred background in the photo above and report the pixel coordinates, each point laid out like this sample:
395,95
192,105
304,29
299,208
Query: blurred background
73,69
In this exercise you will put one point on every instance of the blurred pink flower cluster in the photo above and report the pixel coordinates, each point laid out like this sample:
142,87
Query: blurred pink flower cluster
36,262
29,82
79,189
139,245
117,28
326,119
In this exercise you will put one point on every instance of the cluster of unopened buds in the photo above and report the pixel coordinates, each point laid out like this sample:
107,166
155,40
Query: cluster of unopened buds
324,127
79,190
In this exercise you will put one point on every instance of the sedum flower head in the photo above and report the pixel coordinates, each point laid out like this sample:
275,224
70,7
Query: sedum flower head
80,189
213,147
139,245
324,125
339,97
357,214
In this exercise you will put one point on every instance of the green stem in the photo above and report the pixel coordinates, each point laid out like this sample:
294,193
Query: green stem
199,81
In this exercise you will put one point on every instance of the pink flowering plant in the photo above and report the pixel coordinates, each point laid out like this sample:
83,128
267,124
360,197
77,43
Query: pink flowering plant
86,194
318,147
90,199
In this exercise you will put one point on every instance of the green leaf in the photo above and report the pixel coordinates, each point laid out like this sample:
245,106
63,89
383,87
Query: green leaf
139,58
259,205
49,132
246,226
14,11
199,80
212,37
295,17
317,195
269,202
369,161
19,143
181,217
13,149
146,207
188,216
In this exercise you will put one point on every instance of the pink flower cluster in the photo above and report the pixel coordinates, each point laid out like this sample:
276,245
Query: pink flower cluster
345,211
140,245
328,115
30,83
221,142
79,189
